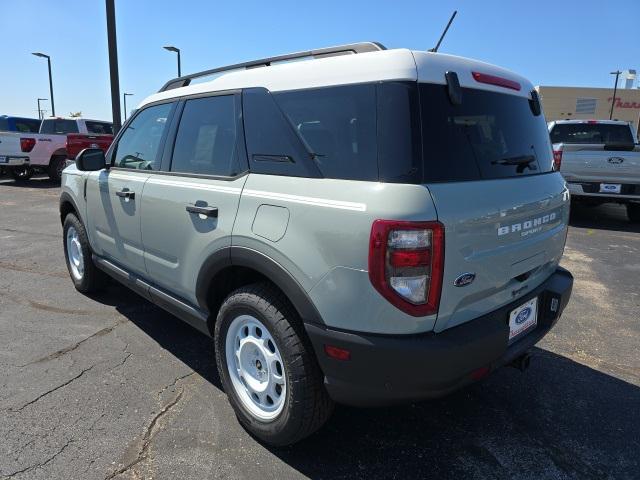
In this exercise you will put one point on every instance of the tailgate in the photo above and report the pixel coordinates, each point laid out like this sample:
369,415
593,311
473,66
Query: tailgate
593,163
76,142
10,146
510,233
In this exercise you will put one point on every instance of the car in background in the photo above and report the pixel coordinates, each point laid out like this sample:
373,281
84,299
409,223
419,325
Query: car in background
600,160
47,151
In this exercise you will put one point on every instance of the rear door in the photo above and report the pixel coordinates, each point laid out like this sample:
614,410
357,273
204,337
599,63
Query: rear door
189,209
488,167
114,196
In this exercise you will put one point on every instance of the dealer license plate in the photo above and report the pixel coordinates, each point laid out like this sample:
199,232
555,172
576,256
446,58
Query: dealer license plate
610,188
523,319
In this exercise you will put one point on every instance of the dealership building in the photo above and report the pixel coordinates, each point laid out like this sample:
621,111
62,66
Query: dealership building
578,103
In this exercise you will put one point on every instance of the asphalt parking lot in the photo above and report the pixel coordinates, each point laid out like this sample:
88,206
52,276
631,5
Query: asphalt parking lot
113,387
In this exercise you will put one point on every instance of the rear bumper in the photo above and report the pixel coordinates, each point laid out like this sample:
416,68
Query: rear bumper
629,192
13,161
388,369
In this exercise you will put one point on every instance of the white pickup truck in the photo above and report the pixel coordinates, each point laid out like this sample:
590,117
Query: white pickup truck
600,160
23,154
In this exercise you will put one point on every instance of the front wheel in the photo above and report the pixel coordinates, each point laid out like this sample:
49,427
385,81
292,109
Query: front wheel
85,275
267,366
633,212
22,173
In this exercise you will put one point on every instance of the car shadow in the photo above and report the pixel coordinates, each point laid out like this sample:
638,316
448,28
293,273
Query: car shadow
608,216
559,419
39,183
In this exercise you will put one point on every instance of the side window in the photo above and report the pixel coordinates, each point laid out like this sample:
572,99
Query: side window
273,145
139,144
207,138
339,126
99,127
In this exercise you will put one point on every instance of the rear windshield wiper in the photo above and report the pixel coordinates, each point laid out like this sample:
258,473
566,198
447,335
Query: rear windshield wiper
521,161
518,160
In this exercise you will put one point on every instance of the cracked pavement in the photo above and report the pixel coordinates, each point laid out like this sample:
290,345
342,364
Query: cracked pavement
112,387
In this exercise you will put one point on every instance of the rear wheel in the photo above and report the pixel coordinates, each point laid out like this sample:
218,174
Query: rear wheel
56,166
85,275
633,212
268,367
22,173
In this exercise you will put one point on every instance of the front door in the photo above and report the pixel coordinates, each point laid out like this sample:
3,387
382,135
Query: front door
114,195
189,212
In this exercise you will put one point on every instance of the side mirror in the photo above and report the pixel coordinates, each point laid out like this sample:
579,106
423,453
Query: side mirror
91,160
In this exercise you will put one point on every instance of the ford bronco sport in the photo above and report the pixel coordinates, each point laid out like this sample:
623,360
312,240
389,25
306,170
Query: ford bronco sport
365,226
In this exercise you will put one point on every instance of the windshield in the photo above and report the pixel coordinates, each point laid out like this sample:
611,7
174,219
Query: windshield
606,133
489,135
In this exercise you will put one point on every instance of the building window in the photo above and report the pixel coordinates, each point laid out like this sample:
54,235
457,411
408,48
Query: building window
586,105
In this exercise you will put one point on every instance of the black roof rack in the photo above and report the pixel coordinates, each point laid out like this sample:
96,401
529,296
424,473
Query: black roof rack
350,48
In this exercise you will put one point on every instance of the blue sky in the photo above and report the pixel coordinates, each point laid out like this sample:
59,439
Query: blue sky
561,42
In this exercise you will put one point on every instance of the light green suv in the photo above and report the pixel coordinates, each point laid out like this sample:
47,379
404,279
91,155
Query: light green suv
360,225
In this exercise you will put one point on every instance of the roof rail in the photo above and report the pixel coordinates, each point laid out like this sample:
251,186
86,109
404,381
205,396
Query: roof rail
348,49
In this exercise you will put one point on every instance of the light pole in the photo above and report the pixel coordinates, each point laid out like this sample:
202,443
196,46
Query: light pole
177,50
40,116
615,90
124,97
53,106
112,45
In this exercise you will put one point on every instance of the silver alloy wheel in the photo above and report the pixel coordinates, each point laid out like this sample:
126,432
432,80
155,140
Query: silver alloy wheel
255,367
74,253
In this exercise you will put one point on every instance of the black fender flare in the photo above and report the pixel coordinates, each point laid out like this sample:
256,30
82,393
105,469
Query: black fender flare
266,266
65,197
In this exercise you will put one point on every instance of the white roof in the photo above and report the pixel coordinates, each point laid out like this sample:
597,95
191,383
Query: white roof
383,65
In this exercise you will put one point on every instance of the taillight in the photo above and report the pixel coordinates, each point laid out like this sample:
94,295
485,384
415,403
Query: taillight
27,144
557,159
406,261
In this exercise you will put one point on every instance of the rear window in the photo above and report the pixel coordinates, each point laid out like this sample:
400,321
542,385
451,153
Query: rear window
59,126
27,125
99,128
489,135
591,133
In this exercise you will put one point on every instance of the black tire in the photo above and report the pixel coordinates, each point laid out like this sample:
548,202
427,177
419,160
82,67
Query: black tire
92,279
633,212
56,165
21,174
307,405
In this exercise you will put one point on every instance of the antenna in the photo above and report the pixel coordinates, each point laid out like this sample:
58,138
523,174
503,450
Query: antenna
446,29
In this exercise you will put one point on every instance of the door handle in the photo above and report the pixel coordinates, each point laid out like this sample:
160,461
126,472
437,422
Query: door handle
126,194
207,211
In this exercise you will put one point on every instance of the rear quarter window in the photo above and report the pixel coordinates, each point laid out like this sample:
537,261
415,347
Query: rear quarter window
338,124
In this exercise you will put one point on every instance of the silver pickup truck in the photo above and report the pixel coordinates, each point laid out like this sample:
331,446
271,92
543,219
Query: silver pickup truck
600,160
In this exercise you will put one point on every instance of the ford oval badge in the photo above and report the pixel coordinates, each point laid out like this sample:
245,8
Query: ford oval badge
523,316
464,279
